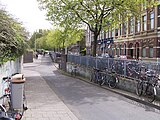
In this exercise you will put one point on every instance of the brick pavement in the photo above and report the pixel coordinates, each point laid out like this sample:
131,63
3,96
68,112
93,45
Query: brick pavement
42,101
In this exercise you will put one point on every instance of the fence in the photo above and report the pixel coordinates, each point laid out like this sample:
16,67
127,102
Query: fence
126,68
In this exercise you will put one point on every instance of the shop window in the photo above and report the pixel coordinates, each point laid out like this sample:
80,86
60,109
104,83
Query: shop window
117,51
143,52
120,49
151,52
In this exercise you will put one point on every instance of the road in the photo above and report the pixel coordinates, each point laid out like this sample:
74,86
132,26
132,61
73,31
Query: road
89,102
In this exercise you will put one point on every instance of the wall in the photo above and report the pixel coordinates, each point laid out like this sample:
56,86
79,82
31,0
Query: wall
28,57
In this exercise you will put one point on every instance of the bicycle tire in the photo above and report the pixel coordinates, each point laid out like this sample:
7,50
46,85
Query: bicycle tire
139,88
112,83
150,93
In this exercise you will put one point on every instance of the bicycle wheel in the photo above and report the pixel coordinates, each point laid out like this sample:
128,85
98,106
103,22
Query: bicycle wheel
139,88
150,93
112,83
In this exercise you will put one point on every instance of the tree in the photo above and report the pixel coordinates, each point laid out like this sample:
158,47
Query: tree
12,37
94,13
61,38
57,38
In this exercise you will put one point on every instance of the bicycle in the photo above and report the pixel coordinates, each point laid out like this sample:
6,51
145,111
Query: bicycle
96,75
3,112
74,70
147,86
109,78
15,113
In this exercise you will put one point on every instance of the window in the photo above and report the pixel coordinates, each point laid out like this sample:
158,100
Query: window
113,33
151,52
112,50
125,51
102,34
144,18
138,25
121,27
143,52
151,20
124,28
131,24
116,32
120,49
107,34
116,50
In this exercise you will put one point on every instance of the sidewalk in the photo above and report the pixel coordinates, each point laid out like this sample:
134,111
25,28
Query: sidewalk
42,102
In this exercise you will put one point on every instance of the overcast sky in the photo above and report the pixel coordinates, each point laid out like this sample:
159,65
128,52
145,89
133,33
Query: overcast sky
27,11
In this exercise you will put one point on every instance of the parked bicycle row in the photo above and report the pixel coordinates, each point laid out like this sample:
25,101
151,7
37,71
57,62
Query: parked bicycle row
147,80
104,77
13,101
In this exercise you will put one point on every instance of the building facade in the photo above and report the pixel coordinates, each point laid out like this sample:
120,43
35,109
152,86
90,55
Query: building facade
138,38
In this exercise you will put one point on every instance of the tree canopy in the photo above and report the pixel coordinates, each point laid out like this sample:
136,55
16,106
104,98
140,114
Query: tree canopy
56,38
96,14
12,37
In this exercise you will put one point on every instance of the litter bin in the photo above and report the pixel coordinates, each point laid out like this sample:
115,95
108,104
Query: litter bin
17,89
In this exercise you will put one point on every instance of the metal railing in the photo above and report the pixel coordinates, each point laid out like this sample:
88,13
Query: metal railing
126,68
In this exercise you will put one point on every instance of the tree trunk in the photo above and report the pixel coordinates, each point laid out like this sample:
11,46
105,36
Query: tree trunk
94,45
63,49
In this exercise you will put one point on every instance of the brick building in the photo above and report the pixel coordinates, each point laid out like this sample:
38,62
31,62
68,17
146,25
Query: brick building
137,38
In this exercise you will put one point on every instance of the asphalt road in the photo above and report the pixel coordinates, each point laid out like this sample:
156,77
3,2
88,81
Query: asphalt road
89,102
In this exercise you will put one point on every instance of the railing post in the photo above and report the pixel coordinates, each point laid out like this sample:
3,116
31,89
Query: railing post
96,61
125,72
80,60
108,63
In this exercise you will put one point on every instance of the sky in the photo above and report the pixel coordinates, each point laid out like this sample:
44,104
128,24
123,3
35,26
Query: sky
28,13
